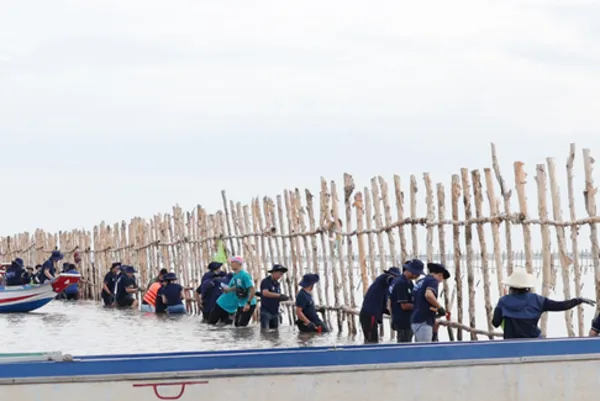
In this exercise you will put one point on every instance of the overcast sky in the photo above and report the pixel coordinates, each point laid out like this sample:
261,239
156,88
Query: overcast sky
114,109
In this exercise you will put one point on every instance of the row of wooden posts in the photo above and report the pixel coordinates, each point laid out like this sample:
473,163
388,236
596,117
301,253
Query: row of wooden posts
325,235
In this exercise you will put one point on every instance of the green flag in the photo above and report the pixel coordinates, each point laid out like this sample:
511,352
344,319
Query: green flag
221,255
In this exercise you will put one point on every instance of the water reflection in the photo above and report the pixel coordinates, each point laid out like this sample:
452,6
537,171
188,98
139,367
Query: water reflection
85,328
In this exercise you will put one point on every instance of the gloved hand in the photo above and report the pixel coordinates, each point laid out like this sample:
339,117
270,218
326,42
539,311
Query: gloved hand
587,301
258,294
321,309
283,298
441,312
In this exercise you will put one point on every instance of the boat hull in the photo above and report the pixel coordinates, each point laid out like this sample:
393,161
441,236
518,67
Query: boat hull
495,371
27,298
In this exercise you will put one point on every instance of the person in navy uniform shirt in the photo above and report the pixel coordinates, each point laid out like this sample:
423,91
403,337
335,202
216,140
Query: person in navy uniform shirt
401,299
126,288
375,304
49,267
28,276
308,320
209,289
270,297
595,329
108,284
14,273
520,310
172,295
426,306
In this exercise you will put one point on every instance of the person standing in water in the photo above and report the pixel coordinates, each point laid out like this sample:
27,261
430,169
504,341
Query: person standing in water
172,295
426,306
151,296
401,299
108,284
270,298
49,267
240,291
520,310
72,291
209,289
157,279
126,288
375,304
308,320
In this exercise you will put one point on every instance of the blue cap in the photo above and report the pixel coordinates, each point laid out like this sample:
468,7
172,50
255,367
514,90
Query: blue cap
128,269
394,271
308,280
56,255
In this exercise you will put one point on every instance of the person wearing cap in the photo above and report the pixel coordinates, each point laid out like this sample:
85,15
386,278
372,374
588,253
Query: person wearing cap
210,288
126,288
401,299
13,275
172,295
375,304
308,321
49,266
270,298
157,279
426,306
237,298
520,310
108,284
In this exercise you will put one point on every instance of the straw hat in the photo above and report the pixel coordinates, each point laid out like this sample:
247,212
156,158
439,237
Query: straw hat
521,279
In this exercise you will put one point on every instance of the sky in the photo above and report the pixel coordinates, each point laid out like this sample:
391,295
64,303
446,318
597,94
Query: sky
115,109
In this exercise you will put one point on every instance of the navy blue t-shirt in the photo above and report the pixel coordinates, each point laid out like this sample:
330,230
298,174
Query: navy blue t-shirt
375,301
304,300
421,311
172,292
47,266
596,324
270,305
160,306
123,282
401,293
109,280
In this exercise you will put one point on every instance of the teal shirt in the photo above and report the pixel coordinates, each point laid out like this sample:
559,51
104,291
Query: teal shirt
230,301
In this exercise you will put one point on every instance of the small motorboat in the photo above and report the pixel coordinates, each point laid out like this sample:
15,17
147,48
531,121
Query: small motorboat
27,298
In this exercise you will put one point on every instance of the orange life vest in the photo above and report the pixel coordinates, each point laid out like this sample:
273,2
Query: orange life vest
150,295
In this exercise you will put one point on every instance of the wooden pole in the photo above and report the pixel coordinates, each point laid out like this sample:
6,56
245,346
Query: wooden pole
441,197
520,181
348,191
493,203
506,194
469,247
400,214
590,206
413,216
370,235
546,245
456,191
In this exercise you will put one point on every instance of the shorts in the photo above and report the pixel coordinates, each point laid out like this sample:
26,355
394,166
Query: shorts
178,309
147,308
125,302
423,332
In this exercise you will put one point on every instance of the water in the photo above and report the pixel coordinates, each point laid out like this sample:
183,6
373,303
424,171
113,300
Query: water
86,328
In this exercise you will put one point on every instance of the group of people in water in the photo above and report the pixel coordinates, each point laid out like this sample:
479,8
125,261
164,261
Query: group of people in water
408,295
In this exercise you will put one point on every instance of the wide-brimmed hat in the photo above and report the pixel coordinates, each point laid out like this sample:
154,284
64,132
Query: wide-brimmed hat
521,279
212,266
415,266
128,269
278,268
438,268
115,264
236,259
170,277
394,271
308,280
56,255
18,262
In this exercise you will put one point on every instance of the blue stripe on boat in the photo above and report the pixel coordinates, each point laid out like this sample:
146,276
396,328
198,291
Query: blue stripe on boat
25,306
300,357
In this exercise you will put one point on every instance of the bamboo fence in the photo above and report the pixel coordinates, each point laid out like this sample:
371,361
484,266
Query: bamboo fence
348,236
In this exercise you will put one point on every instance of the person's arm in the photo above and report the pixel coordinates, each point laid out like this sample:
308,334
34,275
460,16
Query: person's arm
431,298
182,293
498,317
251,295
47,273
559,306
300,304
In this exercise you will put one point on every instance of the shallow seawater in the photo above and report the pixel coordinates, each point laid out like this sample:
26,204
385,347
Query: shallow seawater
87,328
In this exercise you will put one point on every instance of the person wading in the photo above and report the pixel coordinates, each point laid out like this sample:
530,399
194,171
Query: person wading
151,295
72,291
240,291
375,304
520,310
209,289
157,279
308,321
401,299
126,288
426,306
108,284
270,298
172,295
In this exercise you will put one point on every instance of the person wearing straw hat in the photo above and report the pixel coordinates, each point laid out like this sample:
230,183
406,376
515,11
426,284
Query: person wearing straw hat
375,304
426,306
401,299
520,310
270,297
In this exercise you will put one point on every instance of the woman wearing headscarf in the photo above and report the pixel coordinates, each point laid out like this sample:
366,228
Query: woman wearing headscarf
520,310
